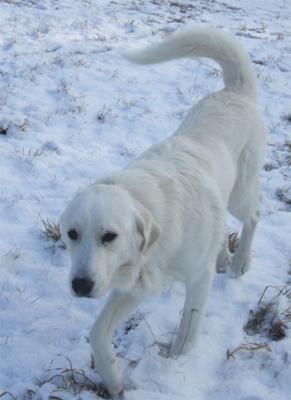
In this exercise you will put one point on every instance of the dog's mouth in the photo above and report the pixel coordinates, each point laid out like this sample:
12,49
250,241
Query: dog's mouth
88,296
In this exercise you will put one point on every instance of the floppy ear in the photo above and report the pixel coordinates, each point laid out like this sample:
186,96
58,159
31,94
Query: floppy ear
148,228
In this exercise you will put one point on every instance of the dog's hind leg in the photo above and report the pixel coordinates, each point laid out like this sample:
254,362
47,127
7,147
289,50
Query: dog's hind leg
243,205
242,256
196,296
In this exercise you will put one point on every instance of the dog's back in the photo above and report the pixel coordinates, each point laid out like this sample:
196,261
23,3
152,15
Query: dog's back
223,125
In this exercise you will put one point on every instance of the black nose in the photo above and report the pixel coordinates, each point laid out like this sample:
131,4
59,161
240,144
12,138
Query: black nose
82,286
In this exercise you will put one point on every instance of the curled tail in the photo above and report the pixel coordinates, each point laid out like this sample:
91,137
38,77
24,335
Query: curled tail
238,73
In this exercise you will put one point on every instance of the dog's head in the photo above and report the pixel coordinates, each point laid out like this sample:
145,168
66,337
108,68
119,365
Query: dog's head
106,232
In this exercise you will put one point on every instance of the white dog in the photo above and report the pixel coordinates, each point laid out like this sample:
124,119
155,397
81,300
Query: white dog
163,218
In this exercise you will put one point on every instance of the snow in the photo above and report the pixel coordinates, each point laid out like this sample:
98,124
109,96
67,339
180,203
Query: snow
72,110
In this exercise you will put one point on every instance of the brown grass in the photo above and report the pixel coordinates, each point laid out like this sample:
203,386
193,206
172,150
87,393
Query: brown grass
270,318
233,241
51,230
250,347
71,380
284,194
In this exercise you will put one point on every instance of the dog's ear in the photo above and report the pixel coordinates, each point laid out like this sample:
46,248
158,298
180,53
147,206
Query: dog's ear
148,228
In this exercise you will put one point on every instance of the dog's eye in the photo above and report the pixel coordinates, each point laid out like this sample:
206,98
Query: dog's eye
108,237
73,234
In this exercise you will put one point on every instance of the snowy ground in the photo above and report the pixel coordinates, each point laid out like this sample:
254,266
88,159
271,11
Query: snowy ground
72,110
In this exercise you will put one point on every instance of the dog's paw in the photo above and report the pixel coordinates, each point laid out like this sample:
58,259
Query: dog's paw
168,350
239,267
221,268
223,262
114,392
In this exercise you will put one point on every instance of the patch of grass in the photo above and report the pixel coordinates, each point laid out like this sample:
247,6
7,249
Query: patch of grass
281,156
128,152
284,195
21,2
63,87
13,254
259,321
131,324
287,148
23,125
30,153
75,381
130,26
267,77
77,106
250,347
104,114
128,103
68,379
183,7
271,316
51,230
277,330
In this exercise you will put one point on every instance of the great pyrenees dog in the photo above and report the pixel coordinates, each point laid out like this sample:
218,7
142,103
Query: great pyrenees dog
163,218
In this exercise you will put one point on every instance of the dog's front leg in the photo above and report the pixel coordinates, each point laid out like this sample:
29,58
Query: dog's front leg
117,308
196,296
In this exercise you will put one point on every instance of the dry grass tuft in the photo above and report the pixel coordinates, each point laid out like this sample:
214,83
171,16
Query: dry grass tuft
284,194
251,347
287,148
71,380
277,330
129,325
271,316
233,241
132,323
51,230
104,114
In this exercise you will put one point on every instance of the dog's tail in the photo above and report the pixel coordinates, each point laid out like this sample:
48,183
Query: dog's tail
238,73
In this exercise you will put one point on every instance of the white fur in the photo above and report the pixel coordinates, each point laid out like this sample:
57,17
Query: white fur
168,207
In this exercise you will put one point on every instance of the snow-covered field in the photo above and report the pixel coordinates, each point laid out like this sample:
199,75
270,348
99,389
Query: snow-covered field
72,110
